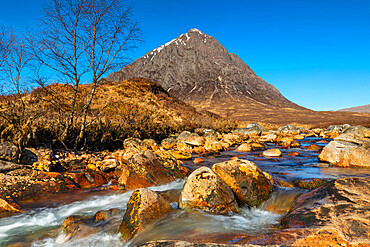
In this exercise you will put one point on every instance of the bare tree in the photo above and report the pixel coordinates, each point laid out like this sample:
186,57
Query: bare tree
15,59
81,41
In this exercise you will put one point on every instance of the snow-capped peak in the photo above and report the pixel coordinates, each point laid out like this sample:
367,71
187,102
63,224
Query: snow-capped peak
196,30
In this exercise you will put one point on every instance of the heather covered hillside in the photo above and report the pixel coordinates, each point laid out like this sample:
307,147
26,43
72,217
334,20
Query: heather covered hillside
133,108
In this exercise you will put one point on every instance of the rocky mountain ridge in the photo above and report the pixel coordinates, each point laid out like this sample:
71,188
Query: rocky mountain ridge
195,67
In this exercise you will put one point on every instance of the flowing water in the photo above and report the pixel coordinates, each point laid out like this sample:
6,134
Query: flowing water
38,224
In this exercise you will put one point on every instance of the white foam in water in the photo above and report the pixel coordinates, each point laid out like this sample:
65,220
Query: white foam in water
12,228
47,217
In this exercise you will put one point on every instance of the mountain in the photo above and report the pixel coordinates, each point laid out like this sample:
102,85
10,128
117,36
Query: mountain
362,108
196,68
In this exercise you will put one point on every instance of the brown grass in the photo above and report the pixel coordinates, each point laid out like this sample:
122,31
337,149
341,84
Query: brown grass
271,117
134,108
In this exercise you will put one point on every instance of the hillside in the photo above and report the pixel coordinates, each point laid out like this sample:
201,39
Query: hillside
362,108
133,108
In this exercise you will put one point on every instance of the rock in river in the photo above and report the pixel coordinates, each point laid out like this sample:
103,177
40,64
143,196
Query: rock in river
147,169
352,148
143,208
274,152
205,190
247,181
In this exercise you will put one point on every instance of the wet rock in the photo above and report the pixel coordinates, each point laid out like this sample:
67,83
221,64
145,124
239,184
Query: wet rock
350,149
335,130
77,227
25,184
108,164
214,146
298,137
295,144
170,195
198,161
205,190
288,130
310,183
9,205
231,138
274,152
247,181
252,129
9,152
245,147
105,215
257,146
341,206
270,137
143,208
182,146
195,140
174,154
86,180
147,169
317,131
314,147
293,154
168,143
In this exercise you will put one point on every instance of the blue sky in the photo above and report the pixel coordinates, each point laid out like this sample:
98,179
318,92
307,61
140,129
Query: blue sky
317,53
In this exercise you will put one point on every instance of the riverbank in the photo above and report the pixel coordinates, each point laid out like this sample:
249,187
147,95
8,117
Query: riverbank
142,163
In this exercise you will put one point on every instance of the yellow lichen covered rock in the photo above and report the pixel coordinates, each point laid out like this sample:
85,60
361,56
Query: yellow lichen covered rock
248,182
205,190
143,208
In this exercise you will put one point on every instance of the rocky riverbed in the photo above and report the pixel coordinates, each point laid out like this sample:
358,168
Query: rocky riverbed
289,186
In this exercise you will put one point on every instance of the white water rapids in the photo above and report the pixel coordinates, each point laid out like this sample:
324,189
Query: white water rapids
39,226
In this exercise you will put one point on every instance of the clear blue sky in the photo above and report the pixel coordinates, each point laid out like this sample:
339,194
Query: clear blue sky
316,52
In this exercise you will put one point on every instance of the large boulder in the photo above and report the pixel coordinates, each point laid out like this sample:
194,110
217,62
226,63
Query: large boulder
205,190
336,214
247,181
342,205
9,152
143,208
22,184
146,169
352,148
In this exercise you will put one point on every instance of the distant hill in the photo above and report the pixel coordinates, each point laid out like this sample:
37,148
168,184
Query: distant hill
362,108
